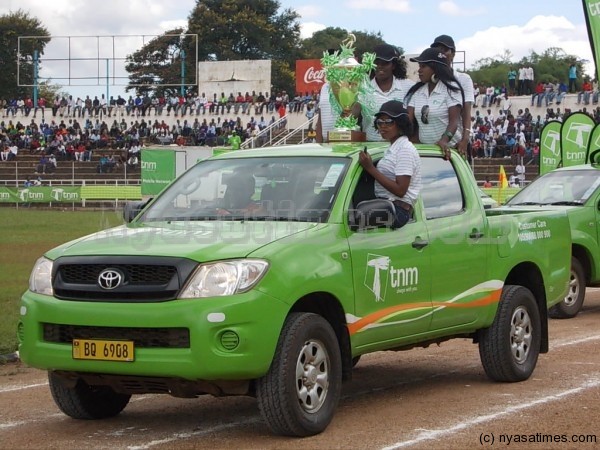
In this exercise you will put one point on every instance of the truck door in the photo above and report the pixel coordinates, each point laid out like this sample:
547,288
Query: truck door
456,226
390,276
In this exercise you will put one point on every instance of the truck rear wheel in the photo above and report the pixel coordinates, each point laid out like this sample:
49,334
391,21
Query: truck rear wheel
86,402
572,303
510,347
299,394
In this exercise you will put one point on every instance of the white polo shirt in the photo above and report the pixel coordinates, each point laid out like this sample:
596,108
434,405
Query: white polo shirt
326,113
401,158
375,97
440,99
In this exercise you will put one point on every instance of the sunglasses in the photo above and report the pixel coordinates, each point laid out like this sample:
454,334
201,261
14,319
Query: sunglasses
425,114
384,122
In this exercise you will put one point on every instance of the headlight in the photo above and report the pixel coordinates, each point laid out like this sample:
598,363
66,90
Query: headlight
224,278
40,280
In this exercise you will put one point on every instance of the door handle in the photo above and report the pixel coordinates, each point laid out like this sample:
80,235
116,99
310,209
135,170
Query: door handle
419,243
476,234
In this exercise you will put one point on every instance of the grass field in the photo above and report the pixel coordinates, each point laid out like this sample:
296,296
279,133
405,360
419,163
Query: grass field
25,235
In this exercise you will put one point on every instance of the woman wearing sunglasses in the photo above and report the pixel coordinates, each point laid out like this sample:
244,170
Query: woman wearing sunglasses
435,102
398,173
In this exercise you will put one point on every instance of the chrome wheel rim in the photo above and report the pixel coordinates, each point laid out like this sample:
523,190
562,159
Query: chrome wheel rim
521,334
573,294
312,376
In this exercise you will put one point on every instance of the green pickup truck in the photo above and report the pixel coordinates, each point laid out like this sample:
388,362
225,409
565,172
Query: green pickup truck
575,190
269,273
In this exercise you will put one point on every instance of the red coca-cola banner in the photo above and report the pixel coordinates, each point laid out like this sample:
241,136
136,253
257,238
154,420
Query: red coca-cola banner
310,75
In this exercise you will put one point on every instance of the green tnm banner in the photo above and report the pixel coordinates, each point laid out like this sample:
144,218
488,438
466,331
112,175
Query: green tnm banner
591,10
158,170
550,147
575,134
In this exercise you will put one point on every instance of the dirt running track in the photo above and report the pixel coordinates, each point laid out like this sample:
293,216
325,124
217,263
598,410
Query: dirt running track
423,398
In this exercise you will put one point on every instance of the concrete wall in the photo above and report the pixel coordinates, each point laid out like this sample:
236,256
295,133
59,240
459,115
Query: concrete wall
215,77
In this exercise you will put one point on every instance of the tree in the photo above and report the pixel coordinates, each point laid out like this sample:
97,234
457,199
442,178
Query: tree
13,25
551,65
248,29
159,63
332,37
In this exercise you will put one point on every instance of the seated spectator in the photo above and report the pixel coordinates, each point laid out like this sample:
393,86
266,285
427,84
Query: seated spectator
51,166
42,165
132,162
586,91
538,95
106,164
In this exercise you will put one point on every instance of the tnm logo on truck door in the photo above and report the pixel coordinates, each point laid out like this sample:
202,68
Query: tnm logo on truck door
380,274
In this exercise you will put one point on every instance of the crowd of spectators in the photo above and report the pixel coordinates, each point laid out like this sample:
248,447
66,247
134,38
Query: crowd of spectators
115,130
502,134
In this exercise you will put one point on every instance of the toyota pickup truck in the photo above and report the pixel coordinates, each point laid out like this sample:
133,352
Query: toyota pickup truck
575,190
269,272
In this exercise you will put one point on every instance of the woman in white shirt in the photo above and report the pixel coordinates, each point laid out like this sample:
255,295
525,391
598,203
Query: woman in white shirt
398,173
435,102
388,81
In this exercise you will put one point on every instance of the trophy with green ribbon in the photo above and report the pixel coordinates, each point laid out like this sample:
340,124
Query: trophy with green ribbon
347,78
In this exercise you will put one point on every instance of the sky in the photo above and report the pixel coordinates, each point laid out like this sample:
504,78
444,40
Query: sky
480,28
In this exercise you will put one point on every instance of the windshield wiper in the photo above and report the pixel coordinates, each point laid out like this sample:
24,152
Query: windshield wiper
568,203
525,203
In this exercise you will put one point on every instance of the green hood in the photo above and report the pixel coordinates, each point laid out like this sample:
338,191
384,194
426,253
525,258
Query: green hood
199,241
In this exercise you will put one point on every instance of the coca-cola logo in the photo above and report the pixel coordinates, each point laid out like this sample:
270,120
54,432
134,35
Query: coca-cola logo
314,76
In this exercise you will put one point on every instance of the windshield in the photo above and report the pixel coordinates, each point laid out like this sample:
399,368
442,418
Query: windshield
566,187
265,188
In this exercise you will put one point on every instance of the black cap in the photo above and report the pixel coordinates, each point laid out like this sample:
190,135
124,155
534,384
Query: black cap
431,55
444,40
393,108
386,52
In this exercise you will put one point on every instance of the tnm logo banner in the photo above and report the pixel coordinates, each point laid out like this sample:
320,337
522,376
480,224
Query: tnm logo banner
40,194
158,170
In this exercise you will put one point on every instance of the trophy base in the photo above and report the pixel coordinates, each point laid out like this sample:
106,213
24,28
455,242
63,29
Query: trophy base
346,136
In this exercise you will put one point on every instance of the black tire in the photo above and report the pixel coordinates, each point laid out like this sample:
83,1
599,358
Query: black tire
86,402
510,347
355,360
573,301
299,394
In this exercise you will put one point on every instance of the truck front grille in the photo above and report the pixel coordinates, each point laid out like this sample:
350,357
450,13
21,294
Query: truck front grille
141,279
143,337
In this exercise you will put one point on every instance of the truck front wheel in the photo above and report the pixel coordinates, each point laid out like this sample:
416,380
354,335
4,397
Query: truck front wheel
86,402
299,394
510,347
573,301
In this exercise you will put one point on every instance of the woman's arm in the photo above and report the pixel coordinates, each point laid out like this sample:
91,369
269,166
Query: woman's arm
398,187
453,120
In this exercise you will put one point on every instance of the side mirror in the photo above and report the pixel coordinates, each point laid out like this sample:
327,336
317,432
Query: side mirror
377,213
132,209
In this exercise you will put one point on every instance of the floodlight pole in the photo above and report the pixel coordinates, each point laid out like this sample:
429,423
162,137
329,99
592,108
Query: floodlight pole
107,105
35,78
182,72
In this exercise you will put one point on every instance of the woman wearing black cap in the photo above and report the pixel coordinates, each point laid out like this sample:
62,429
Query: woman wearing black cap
387,82
398,173
435,102
445,44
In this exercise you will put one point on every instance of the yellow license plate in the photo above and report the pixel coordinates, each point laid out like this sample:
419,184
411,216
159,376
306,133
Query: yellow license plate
96,349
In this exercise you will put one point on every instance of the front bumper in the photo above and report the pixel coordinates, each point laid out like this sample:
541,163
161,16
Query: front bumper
256,320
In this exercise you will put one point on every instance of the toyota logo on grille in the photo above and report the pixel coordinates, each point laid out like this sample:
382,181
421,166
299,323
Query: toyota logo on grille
110,279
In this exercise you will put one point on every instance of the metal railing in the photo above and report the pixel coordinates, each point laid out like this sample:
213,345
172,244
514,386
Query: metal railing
267,136
302,130
23,170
